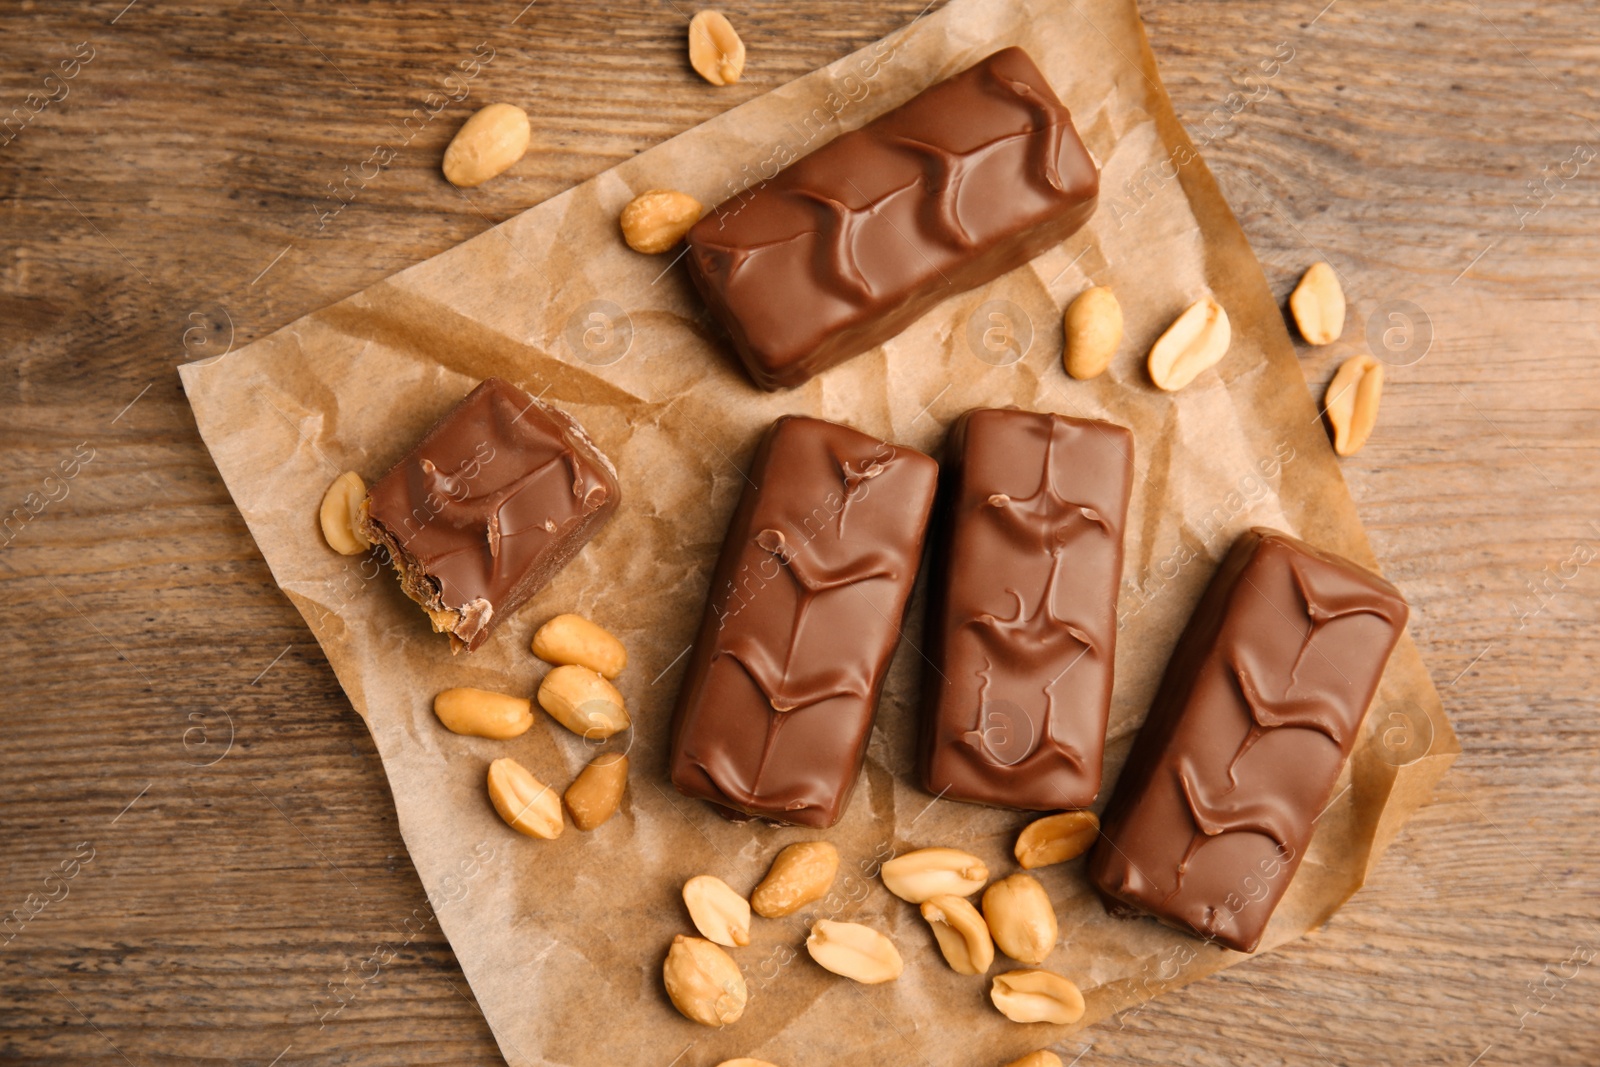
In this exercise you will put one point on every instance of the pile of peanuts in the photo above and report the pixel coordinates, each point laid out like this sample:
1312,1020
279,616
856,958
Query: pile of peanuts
579,695
706,985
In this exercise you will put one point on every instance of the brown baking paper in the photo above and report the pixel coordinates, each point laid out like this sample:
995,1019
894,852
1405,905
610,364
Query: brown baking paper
563,940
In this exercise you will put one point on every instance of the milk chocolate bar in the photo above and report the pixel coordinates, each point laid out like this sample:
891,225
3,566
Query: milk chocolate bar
483,512
1259,708
848,246
1022,616
803,617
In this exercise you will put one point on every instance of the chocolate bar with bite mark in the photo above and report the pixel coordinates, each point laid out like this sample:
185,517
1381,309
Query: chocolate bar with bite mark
482,513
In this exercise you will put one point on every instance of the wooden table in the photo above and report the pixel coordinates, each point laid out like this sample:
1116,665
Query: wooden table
186,178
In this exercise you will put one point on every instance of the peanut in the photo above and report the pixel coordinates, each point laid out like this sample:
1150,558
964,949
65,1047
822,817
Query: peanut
340,515
704,982
932,872
583,702
655,221
574,639
745,1061
1056,838
1093,330
487,144
801,873
715,50
1352,402
1020,918
1043,1058
717,911
854,951
480,713
1196,340
594,795
962,934
1036,997
1318,305
526,804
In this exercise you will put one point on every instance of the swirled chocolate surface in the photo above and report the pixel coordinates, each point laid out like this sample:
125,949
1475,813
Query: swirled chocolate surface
803,617
847,246
1261,704
1022,608
483,512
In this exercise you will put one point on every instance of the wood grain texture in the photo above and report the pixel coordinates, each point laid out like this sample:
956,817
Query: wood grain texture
177,194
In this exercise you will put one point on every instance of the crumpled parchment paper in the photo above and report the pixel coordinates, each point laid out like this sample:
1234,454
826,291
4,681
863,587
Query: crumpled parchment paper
563,941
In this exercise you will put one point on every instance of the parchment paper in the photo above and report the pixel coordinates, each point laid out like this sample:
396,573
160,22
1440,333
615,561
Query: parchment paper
563,941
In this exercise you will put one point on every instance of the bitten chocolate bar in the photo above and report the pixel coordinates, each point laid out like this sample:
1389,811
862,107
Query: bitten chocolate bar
804,615
1022,611
1260,706
496,499
848,246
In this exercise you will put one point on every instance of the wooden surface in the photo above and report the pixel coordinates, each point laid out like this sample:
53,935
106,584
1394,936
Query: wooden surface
175,197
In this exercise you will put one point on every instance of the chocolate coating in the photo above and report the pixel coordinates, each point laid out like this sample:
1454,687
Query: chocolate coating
483,512
802,620
1022,610
1260,706
848,246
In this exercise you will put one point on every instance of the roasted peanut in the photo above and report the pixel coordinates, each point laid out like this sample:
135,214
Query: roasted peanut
480,713
340,515
655,221
1020,918
573,639
594,795
1317,304
704,982
582,701
1093,332
1352,402
1056,838
801,873
1197,339
1036,997
717,911
1043,1058
854,951
962,933
715,50
487,144
526,804
745,1061
931,872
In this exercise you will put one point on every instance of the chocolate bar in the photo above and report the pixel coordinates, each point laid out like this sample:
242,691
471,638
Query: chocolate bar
1022,610
803,617
848,246
496,499
1259,708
